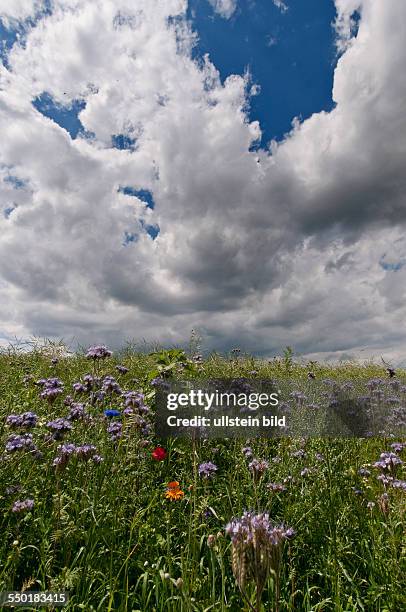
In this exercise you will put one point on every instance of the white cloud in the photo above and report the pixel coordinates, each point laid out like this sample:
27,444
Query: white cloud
255,249
225,8
280,5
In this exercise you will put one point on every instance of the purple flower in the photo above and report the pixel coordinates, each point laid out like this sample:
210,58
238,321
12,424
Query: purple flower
397,447
59,427
110,385
22,506
97,459
399,484
247,451
85,452
115,430
207,469
20,442
65,452
258,466
98,352
77,411
388,461
122,369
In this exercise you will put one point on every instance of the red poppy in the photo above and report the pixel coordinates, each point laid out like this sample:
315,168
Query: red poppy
159,453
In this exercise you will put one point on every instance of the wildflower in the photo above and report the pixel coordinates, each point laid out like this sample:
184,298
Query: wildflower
370,505
52,387
85,452
211,540
399,484
97,459
397,447
388,461
207,470
77,411
65,452
115,431
159,453
22,506
122,369
98,352
59,426
173,491
112,413
247,451
110,385
305,471
256,549
20,442
258,467
27,419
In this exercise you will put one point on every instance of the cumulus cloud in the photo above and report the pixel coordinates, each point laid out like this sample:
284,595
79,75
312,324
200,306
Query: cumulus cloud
280,5
225,8
259,249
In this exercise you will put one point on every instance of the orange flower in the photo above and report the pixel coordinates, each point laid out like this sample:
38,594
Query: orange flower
173,491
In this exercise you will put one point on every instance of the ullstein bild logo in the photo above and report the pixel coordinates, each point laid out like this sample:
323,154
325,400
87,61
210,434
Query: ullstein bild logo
245,408
218,409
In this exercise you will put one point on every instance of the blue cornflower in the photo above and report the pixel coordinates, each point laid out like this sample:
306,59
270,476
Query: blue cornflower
112,413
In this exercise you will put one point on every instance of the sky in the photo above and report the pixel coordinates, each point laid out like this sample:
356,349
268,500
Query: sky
236,167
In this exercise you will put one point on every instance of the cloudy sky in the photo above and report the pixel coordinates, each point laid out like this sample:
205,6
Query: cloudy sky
232,166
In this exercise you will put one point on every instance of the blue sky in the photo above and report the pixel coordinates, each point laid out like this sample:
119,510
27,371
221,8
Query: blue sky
157,209
291,56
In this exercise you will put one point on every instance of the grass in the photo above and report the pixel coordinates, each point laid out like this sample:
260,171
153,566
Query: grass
105,532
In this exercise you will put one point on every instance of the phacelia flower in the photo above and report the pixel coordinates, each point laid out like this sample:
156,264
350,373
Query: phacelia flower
20,442
207,469
159,453
258,467
115,430
22,506
27,419
388,461
98,352
122,369
59,427
256,548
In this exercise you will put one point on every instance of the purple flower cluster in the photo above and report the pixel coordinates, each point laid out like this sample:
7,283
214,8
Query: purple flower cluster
110,385
76,412
27,419
388,461
22,506
98,352
258,467
257,527
52,387
122,369
68,451
20,442
59,427
115,430
87,384
207,469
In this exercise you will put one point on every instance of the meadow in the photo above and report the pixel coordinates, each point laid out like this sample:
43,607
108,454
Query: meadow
93,503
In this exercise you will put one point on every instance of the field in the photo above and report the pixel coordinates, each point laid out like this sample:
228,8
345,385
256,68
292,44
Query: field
92,503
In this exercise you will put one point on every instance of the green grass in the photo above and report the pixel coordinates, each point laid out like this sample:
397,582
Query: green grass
106,533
